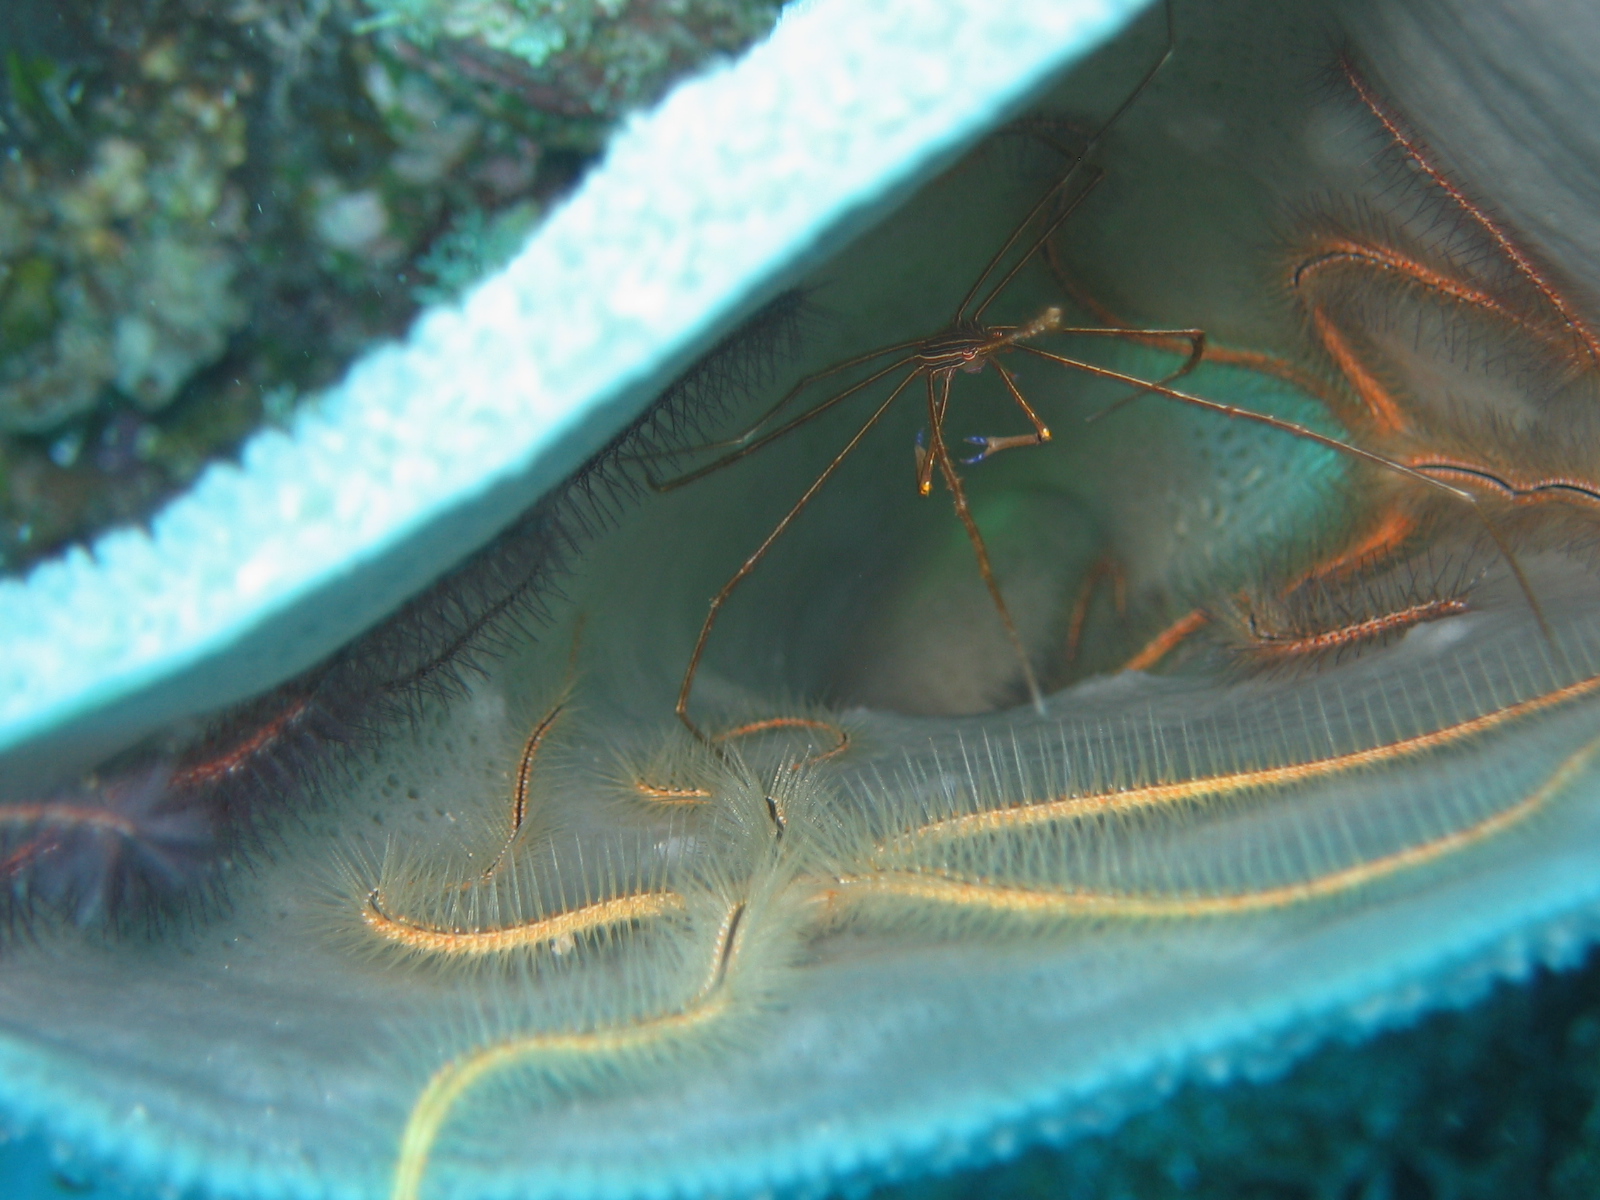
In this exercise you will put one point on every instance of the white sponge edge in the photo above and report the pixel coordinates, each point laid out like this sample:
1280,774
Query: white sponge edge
733,178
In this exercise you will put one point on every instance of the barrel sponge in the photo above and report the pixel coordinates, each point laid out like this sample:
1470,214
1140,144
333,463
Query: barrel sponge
852,944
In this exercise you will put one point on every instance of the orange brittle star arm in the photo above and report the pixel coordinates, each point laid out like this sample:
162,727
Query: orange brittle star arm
458,1076
552,929
950,889
1069,807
